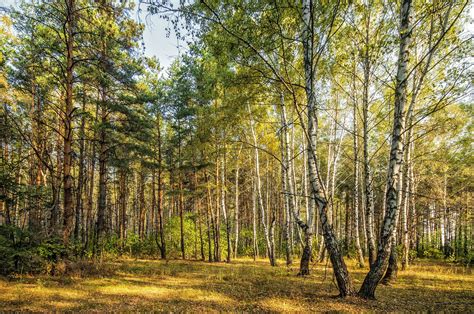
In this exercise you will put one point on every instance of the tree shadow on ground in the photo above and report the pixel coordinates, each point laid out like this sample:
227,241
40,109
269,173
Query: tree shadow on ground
239,286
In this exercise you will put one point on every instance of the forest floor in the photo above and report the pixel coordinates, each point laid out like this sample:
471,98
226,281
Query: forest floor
243,285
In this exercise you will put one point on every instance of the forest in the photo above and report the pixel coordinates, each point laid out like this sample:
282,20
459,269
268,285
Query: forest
296,156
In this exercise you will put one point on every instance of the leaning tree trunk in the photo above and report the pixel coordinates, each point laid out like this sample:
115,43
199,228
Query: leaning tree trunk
392,270
341,274
312,125
376,273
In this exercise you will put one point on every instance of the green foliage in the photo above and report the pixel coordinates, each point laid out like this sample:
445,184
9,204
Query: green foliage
412,255
433,253
173,237
19,252
52,250
136,247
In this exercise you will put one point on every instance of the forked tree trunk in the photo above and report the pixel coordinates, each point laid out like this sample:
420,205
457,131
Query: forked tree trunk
376,273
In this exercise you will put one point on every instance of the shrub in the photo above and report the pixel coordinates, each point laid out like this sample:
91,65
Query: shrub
18,252
412,255
433,253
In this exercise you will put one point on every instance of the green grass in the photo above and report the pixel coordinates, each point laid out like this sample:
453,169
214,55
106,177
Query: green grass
243,285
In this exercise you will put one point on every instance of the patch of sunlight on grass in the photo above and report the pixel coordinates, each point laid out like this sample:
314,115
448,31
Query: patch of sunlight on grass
162,280
200,295
279,304
133,290
8,295
53,292
157,292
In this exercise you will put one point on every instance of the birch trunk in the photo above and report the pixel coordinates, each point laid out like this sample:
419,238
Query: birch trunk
360,256
236,213
224,209
343,279
254,220
287,180
369,193
209,219
286,205
396,158
266,230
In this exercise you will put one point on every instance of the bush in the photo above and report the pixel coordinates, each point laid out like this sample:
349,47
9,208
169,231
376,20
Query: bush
52,251
21,252
412,255
18,252
433,253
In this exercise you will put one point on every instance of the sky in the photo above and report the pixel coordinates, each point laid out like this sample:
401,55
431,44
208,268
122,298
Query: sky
156,41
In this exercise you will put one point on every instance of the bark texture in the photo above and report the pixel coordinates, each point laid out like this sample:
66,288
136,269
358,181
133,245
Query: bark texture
376,273
341,274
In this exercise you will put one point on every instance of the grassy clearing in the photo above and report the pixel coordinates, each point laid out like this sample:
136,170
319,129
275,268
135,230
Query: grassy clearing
244,285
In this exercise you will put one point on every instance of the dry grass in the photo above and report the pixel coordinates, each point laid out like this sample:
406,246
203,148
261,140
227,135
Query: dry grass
244,285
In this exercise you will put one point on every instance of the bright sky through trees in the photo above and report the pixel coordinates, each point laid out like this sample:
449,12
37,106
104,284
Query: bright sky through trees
155,36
